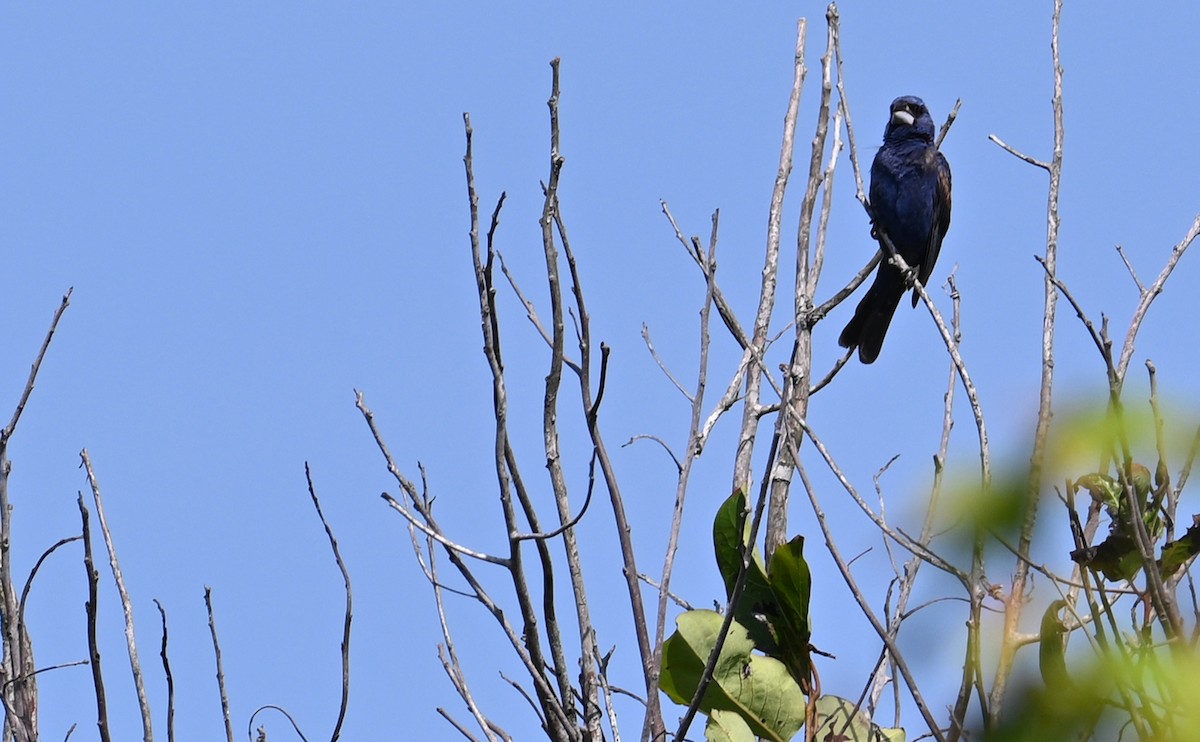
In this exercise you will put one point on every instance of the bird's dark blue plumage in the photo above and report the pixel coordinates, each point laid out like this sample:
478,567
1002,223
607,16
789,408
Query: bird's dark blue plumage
910,202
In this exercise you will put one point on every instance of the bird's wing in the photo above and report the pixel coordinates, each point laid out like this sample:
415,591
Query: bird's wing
941,218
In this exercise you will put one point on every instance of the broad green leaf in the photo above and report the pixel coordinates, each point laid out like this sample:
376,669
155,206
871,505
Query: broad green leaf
758,689
730,531
837,720
791,585
726,726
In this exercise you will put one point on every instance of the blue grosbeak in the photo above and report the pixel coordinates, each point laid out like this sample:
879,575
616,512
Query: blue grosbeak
910,203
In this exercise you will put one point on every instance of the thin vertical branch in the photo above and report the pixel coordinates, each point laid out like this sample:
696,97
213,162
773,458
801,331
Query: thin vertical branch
1016,600
559,710
591,411
212,628
798,381
126,604
590,688
167,671
693,450
17,669
93,579
1162,473
770,272
337,556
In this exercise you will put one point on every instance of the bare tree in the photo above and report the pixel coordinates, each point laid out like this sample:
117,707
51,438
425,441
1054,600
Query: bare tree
775,402
752,667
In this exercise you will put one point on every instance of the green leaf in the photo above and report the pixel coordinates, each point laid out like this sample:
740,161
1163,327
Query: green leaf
731,530
729,533
1177,553
1104,489
1052,649
1116,557
758,689
1111,493
726,726
837,721
791,585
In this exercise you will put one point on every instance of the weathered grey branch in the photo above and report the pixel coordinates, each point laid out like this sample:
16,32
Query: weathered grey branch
212,629
126,604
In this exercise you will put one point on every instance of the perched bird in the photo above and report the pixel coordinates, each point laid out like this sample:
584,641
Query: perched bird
910,203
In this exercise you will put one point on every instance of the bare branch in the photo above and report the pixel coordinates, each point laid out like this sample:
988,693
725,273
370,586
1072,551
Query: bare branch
1132,273
1019,155
770,272
948,123
728,399
659,441
528,645
672,596
728,316
32,574
20,699
337,556
454,723
272,707
587,500
866,610
1016,598
1103,344
797,375
837,366
590,687
1152,293
8,430
126,603
449,655
437,536
658,359
684,469
602,663
212,628
167,671
863,274
93,578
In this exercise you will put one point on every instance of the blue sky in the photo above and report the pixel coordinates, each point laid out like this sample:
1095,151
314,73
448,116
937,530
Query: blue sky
262,208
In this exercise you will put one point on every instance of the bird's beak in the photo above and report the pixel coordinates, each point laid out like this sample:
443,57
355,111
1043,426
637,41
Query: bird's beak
902,117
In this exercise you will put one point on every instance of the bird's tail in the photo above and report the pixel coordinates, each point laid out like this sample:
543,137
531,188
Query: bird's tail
872,316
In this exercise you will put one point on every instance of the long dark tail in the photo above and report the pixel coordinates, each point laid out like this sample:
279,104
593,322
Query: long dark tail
873,315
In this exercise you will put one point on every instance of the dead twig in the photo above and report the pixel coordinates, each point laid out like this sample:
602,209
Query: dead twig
341,564
93,580
126,604
167,671
212,628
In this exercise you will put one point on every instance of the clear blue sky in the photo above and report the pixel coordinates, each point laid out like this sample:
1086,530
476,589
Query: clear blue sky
261,207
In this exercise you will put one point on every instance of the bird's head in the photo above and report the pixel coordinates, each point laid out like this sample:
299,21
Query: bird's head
910,119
